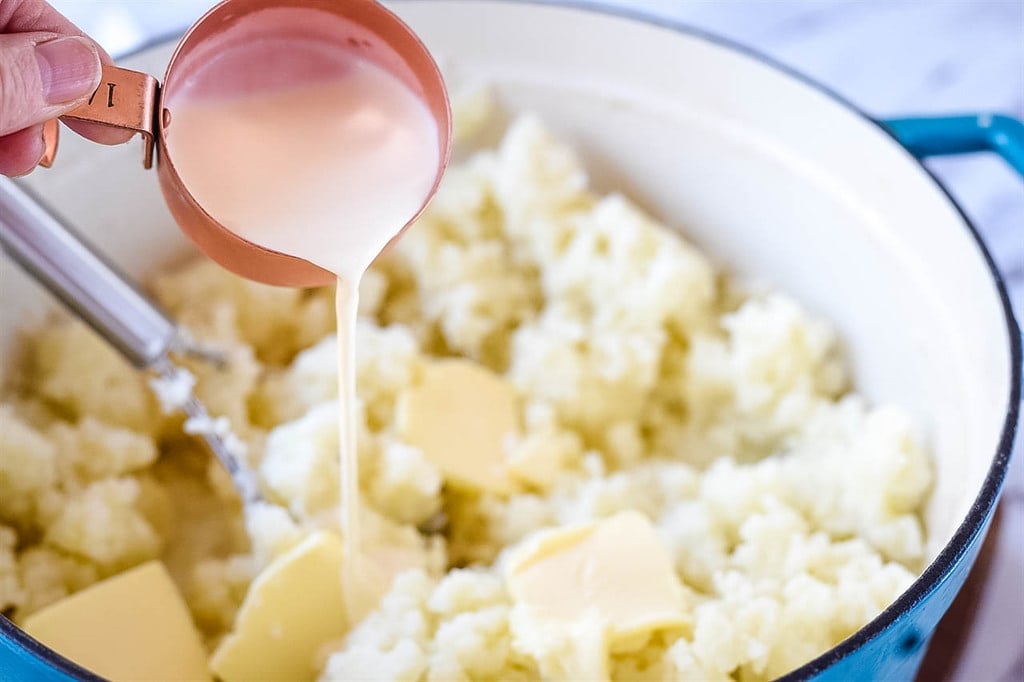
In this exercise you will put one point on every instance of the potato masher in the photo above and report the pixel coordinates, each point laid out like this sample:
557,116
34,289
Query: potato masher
92,288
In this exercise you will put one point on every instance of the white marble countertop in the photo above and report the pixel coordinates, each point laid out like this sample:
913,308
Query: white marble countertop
891,57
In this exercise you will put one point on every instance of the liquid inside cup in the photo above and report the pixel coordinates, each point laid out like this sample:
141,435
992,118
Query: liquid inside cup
300,132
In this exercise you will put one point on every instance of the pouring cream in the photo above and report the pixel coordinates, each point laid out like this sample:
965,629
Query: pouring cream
328,170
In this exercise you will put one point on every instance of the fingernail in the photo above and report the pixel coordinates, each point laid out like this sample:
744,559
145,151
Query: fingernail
69,69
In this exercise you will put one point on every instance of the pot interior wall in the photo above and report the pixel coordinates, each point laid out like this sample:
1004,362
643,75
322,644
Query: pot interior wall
770,176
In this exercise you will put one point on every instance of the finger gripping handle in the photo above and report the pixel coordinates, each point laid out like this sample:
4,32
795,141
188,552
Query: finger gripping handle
124,99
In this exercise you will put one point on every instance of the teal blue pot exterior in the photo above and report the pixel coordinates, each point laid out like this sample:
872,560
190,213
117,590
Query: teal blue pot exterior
22,659
925,136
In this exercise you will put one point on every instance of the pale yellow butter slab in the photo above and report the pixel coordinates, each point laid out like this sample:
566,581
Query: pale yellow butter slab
460,415
134,626
615,571
292,609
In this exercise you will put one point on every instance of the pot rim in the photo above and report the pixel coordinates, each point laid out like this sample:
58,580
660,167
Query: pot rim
976,520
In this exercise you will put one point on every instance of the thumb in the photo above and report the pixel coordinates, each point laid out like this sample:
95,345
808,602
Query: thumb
43,76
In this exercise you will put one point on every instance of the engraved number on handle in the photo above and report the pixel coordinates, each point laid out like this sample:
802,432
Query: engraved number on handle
110,95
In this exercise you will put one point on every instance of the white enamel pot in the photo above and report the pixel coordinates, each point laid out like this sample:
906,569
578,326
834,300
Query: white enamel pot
768,173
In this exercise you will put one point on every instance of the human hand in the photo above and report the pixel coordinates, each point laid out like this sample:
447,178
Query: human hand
47,68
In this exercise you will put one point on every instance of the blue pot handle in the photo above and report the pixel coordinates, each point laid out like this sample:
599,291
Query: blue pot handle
943,135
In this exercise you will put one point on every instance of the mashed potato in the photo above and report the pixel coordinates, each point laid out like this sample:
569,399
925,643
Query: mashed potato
789,508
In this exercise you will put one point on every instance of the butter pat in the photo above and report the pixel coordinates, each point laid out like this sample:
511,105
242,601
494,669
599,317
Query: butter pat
292,609
615,573
134,626
460,415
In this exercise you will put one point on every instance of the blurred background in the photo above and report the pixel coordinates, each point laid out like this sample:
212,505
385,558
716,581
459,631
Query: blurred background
890,58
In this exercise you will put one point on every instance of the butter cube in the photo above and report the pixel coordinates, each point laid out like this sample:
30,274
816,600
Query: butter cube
460,415
292,609
615,572
133,626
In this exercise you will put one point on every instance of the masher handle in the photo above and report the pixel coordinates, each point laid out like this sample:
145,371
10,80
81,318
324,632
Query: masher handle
87,284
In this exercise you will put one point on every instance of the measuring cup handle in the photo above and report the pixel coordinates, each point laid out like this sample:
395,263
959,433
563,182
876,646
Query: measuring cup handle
124,99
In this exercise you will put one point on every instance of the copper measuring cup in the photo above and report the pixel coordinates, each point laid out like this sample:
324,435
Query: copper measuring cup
136,101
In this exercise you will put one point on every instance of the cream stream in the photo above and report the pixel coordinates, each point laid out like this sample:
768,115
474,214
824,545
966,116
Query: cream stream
328,171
